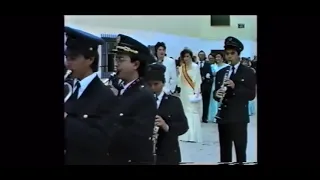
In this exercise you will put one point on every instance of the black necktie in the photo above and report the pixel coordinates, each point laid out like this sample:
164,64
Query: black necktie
232,73
74,96
119,87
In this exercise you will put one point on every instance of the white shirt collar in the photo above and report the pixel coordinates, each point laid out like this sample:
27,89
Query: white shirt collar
236,66
84,83
160,96
126,86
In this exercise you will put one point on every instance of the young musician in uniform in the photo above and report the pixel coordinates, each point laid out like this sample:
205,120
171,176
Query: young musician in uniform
169,63
137,106
88,127
170,118
233,115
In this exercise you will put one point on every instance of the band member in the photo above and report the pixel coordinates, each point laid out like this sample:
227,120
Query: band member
137,106
171,72
171,119
234,117
206,85
88,126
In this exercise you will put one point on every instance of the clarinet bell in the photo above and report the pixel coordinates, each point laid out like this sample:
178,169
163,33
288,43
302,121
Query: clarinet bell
67,91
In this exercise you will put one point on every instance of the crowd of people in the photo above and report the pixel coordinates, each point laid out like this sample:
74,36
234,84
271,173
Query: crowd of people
155,102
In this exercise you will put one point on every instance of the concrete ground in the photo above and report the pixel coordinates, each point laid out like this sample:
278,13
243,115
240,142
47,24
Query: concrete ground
208,151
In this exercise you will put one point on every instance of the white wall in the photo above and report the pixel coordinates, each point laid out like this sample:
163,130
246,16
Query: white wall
174,43
221,32
187,25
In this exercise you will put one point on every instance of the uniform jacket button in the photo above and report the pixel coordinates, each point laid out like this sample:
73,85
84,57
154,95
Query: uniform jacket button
225,106
121,114
85,116
150,138
129,160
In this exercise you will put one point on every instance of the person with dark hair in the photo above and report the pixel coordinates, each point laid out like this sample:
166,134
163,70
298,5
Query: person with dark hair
211,58
245,62
213,107
132,145
206,85
170,118
88,126
195,59
169,63
202,56
189,81
234,87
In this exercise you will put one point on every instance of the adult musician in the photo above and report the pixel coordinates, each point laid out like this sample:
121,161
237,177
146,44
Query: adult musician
87,124
133,144
170,64
206,85
171,119
234,115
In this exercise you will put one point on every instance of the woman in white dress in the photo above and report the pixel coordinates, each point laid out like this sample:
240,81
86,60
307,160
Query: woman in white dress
189,80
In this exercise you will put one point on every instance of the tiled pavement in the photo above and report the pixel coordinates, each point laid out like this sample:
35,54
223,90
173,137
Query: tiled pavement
208,151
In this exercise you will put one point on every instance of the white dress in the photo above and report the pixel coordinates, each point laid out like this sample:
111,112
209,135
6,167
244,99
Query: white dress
193,111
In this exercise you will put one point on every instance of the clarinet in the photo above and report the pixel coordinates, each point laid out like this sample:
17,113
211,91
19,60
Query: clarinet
224,87
155,140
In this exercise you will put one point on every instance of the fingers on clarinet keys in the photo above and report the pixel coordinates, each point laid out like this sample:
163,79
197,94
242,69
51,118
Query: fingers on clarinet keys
220,93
